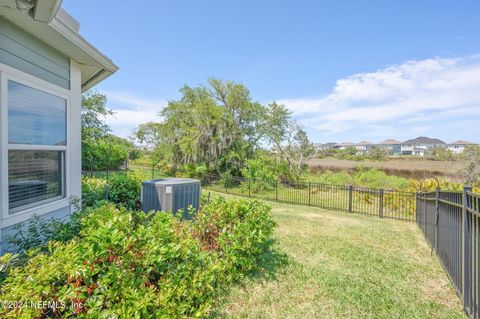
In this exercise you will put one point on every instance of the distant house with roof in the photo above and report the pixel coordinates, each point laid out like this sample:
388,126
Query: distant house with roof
394,146
363,147
419,145
459,146
344,145
324,146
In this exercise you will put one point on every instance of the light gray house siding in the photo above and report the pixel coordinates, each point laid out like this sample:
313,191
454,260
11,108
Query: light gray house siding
23,52
62,214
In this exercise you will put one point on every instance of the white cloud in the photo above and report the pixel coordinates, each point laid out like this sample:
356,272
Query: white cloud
130,111
411,92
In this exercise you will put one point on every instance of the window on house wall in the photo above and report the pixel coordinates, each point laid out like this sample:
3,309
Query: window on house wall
37,144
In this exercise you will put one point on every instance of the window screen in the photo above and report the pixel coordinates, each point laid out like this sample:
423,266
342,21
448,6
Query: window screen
35,117
34,176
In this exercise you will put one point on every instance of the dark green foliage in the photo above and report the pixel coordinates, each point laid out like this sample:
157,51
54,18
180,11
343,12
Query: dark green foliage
135,154
121,189
195,171
125,189
108,152
93,190
128,264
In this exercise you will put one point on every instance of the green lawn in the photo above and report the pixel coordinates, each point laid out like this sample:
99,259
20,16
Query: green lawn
344,265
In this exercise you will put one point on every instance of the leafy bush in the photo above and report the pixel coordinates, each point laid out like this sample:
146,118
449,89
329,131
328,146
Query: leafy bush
125,189
93,190
195,171
239,230
121,189
128,264
108,152
262,172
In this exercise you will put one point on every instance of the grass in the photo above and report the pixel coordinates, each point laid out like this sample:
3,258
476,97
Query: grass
344,265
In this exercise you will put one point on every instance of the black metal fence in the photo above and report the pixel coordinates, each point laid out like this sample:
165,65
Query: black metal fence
363,200
152,171
451,225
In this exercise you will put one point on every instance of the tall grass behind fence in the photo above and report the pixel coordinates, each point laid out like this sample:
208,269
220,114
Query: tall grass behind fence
369,201
450,222
150,171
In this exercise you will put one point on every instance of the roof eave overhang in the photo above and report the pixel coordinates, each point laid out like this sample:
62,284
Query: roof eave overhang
54,26
104,65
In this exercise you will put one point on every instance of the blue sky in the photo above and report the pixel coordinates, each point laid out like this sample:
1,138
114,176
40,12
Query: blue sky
348,70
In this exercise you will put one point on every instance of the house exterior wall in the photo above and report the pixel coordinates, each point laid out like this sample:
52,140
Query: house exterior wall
42,68
407,149
417,149
456,148
23,52
395,149
10,231
363,148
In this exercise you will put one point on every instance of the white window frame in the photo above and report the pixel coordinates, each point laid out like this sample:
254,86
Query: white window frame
8,73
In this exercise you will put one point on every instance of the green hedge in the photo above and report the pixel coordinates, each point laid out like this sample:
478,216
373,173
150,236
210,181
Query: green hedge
122,190
127,264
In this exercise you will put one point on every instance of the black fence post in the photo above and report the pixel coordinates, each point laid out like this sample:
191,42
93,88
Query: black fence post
424,201
309,193
153,171
380,210
437,212
350,198
276,191
467,252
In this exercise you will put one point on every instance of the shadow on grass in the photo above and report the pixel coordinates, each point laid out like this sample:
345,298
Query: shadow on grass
269,264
